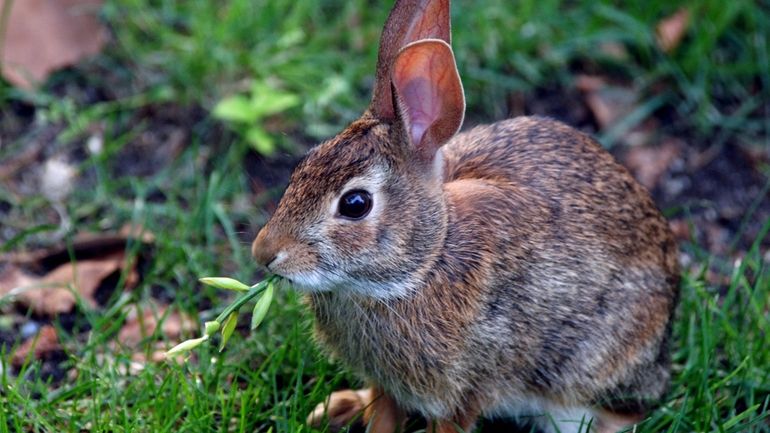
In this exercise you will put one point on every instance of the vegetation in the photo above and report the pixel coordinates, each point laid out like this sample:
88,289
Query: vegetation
171,62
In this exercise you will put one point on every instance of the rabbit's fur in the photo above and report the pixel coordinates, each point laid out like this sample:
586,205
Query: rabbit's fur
513,269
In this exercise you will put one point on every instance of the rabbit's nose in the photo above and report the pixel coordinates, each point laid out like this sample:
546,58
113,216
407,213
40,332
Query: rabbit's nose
264,248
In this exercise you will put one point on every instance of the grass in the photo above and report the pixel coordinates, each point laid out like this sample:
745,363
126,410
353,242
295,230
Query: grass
203,207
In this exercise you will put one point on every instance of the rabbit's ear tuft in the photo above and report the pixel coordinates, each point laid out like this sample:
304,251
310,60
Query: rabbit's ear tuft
430,95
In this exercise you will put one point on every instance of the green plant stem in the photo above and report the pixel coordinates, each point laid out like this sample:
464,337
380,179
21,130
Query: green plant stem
251,294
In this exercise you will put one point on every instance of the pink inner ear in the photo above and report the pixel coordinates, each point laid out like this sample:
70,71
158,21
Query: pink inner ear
417,79
422,103
430,94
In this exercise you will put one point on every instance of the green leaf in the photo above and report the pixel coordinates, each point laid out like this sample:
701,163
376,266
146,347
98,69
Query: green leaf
261,141
228,328
263,304
274,104
266,101
224,283
236,109
740,417
186,346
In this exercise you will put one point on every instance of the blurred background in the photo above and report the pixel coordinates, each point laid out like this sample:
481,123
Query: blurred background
144,142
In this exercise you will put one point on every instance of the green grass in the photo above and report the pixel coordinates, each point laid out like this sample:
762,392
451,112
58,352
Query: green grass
197,51
275,377
203,212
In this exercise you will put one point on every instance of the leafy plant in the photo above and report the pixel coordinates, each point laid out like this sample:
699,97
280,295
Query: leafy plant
246,113
228,319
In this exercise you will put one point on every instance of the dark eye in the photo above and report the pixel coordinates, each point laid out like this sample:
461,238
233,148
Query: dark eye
355,204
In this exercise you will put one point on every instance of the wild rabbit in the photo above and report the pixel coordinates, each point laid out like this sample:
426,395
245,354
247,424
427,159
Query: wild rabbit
513,269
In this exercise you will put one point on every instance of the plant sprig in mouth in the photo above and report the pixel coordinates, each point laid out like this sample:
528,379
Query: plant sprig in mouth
228,318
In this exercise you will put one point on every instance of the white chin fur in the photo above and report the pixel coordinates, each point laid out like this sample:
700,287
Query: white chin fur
310,282
315,281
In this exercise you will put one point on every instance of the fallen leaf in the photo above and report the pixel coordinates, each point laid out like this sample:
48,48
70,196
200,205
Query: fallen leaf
84,246
45,35
648,164
51,294
12,278
671,30
97,256
45,343
608,103
134,331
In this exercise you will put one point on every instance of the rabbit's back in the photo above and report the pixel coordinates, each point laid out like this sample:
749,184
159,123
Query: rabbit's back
590,199
586,268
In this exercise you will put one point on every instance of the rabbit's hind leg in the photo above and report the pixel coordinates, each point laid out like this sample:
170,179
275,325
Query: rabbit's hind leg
340,408
369,406
382,414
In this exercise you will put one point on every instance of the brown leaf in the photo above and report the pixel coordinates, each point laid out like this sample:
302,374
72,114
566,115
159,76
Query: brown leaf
649,163
45,35
608,103
136,330
41,346
84,246
671,30
50,294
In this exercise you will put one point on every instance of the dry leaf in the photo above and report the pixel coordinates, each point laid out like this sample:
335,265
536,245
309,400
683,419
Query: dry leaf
671,30
608,103
51,294
45,35
135,330
649,163
41,346
97,257
84,246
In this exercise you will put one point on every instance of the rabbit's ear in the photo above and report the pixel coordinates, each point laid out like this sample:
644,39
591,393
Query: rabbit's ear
429,95
409,21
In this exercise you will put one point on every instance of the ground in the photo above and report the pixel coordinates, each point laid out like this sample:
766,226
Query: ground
117,163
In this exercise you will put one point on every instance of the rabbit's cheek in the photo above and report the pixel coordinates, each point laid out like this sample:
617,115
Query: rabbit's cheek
353,240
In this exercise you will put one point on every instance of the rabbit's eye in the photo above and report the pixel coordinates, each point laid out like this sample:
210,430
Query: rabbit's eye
355,204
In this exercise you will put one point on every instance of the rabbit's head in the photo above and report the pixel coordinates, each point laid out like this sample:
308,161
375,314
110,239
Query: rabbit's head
364,211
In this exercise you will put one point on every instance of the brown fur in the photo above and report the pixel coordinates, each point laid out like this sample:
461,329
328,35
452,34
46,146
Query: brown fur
532,268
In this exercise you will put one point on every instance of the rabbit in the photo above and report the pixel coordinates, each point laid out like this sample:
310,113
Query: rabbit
512,270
